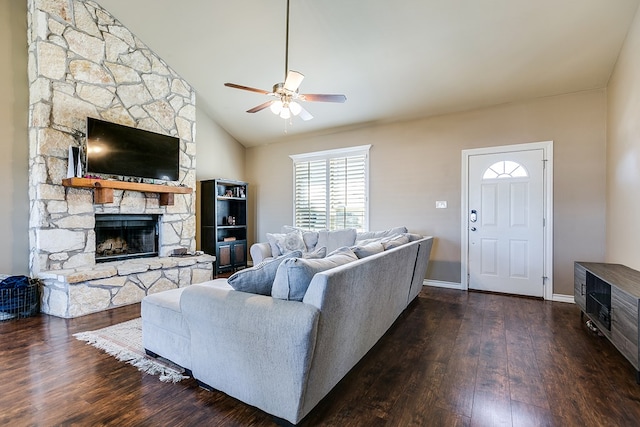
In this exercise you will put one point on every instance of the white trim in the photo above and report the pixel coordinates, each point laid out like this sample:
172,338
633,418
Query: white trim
547,149
564,298
458,286
440,284
360,150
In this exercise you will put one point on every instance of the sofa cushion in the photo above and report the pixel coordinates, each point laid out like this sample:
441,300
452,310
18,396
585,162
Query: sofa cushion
283,243
259,278
294,275
335,239
372,248
310,238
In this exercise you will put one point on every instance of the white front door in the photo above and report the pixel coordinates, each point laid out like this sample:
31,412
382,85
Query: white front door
505,222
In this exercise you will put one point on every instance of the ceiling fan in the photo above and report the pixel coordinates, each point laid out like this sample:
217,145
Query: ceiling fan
287,97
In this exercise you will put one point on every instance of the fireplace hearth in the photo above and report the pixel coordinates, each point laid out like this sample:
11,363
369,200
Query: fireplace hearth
126,236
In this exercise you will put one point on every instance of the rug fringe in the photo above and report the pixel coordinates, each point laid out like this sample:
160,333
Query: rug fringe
143,363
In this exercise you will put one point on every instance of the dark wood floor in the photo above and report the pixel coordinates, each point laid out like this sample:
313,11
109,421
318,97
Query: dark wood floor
453,358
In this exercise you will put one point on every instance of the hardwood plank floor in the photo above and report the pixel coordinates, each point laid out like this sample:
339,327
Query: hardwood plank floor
452,359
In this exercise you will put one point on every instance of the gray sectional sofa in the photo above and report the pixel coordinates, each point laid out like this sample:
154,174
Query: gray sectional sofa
277,353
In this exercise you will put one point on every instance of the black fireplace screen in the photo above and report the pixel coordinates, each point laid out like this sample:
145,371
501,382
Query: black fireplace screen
127,236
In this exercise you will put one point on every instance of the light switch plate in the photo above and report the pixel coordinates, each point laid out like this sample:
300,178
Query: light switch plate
441,204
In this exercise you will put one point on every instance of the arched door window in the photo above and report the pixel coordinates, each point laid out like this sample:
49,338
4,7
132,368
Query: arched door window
505,169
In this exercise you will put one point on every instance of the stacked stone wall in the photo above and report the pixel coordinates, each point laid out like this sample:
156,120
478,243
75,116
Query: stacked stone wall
84,63
76,293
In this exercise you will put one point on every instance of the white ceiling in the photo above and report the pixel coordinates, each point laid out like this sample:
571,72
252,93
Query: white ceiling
394,60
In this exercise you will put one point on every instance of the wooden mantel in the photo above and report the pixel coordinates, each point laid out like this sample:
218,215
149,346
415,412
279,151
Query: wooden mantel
103,189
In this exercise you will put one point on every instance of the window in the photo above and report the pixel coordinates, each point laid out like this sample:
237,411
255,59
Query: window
505,169
331,189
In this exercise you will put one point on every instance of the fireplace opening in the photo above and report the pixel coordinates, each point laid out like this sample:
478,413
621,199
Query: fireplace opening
126,236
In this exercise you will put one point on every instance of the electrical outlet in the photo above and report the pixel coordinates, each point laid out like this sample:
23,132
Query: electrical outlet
441,204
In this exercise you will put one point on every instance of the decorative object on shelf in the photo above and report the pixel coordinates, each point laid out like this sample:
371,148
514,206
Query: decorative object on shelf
74,167
286,94
223,223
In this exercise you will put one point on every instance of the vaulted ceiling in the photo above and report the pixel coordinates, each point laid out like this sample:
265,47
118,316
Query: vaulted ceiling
394,60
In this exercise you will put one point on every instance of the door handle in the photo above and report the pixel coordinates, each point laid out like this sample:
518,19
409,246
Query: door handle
473,217
473,229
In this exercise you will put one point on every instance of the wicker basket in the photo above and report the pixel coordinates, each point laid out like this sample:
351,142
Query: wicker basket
19,301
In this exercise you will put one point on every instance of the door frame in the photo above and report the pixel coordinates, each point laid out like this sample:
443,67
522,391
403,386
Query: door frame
547,200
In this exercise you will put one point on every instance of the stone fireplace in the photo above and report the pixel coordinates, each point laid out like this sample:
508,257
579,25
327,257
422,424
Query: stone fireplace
84,63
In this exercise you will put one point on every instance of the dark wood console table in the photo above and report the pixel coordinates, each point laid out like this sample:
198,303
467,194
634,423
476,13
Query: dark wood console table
609,295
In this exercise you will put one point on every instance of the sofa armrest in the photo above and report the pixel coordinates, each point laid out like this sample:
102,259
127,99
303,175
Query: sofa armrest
260,251
253,347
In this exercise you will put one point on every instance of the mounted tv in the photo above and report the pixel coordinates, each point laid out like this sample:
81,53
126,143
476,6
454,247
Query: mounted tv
114,149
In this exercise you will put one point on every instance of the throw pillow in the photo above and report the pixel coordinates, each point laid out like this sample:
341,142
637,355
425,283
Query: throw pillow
294,275
285,243
259,278
335,239
363,251
366,235
318,253
394,242
413,236
310,238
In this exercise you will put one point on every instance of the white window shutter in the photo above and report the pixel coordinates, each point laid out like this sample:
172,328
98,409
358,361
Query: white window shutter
331,189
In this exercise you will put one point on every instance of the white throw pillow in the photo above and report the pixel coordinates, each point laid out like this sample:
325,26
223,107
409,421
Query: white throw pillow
310,238
294,275
283,243
259,278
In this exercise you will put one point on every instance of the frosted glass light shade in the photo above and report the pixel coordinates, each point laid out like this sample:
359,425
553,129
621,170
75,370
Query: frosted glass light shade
285,113
276,107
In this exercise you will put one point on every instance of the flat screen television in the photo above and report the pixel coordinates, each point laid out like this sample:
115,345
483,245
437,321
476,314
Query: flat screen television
114,149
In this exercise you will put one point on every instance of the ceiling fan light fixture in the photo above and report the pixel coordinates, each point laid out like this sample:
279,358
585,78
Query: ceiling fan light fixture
285,113
276,107
287,92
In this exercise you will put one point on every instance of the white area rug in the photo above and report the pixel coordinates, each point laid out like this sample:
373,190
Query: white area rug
124,342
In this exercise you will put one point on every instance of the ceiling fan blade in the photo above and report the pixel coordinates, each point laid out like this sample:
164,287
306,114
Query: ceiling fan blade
304,114
251,89
293,80
323,98
260,107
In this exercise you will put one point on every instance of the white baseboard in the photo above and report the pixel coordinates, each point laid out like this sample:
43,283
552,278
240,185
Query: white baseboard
452,285
563,298
440,284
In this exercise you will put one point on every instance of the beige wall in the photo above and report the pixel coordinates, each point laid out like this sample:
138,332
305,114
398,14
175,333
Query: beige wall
14,145
218,155
623,155
415,163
